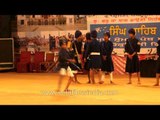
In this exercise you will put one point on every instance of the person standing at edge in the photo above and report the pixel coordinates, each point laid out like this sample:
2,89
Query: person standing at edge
132,46
86,64
158,64
107,63
94,51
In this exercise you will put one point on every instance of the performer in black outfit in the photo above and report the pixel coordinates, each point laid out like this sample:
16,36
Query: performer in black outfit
131,48
107,63
77,47
86,64
94,53
158,64
65,70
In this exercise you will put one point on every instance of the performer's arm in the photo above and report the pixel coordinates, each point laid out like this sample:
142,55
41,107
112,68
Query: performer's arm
72,46
134,54
110,50
85,47
126,48
87,52
138,46
158,48
111,47
103,51
71,60
62,57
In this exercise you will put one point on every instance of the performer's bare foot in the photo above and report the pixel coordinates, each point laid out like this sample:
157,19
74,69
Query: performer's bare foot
77,82
57,90
73,81
93,82
111,82
89,82
101,82
156,84
129,83
139,83
67,90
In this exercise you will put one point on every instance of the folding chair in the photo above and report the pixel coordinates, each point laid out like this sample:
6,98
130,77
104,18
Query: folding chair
48,62
36,64
23,65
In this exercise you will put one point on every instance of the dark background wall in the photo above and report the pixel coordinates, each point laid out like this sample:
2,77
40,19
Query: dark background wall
5,25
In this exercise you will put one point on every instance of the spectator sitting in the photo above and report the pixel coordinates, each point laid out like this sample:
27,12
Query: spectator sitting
31,47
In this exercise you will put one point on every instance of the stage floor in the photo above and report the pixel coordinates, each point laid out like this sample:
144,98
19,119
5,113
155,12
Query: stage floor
39,89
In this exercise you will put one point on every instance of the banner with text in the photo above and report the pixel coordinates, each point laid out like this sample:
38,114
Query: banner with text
147,33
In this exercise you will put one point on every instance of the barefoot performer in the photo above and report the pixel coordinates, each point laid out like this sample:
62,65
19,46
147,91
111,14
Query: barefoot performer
158,64
131,48
107,63
86,64
65,70
94,53
77,48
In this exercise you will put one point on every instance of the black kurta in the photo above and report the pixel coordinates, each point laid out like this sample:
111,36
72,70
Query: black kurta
78,45
79,49
95,60
158,61
107,48
132,65
63,57
86,64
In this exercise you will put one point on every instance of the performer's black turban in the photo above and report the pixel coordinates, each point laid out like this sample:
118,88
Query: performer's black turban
94,33
88,36
78,33
131,31
107,33
62,41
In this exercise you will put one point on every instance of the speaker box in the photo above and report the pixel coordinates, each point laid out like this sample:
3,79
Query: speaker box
6,53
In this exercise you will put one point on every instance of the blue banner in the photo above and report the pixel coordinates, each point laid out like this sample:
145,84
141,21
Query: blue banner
147,33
